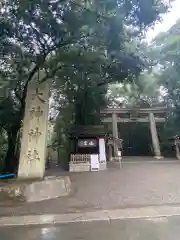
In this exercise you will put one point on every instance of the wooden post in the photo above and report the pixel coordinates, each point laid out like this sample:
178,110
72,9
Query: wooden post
154,135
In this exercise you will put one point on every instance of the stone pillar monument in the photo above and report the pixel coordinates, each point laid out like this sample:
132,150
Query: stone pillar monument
155,140
35,127
115,133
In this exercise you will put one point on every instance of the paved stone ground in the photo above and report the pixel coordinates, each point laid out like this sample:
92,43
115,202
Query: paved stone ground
136,184
166,228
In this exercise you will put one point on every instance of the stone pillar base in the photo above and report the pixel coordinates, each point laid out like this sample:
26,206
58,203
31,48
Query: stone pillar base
116,159
158,157
102,166
35,191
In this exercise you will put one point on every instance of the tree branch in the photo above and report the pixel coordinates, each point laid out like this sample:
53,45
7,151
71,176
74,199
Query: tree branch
39,38
90,11
17,95
50,75
34,70
67,42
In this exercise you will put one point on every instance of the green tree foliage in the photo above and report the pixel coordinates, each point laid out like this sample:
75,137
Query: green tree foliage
40,28
145,91
38,37
166,49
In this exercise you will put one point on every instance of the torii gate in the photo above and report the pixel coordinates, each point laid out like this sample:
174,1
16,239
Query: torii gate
151,115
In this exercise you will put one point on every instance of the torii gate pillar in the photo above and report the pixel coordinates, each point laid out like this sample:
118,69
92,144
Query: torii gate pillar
154,135
115,134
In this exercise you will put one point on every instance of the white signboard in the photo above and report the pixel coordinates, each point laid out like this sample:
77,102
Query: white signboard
102,150
94,161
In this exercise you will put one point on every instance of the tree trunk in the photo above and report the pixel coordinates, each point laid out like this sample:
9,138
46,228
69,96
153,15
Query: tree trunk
11,160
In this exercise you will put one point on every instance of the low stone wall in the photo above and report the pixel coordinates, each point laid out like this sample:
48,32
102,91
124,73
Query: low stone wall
35,191
79,167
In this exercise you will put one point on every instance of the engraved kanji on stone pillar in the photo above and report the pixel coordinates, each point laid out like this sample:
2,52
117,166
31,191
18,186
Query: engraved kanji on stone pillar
34,134
32,156
36,112
35,130
38,94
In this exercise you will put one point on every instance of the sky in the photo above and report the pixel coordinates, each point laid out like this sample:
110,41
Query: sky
168,20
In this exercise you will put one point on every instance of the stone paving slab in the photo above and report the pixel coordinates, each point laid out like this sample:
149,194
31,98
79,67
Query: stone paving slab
165,228
133,186
101,215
